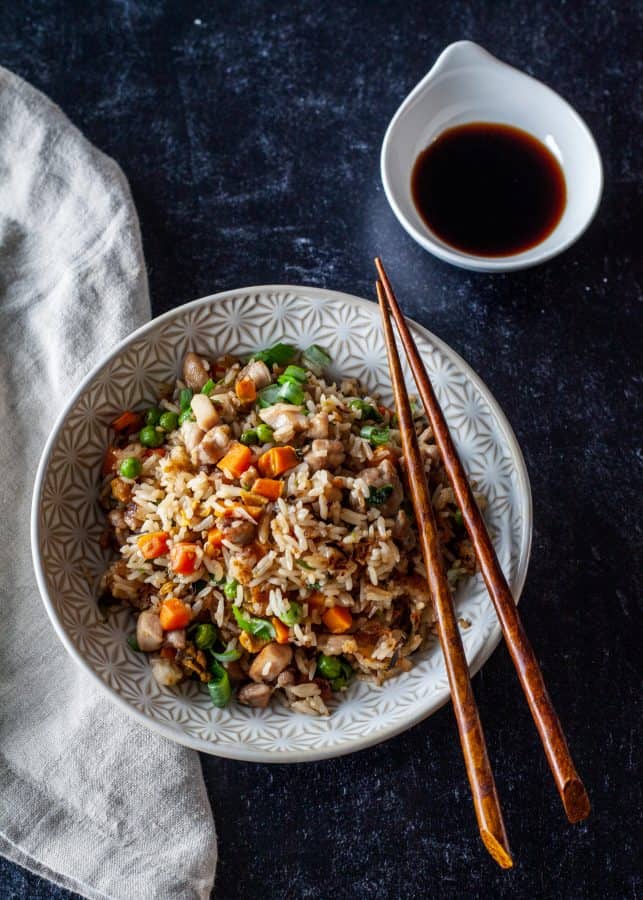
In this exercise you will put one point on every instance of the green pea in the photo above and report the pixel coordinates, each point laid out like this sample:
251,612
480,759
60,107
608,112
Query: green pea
205,636
328,666
230,589
152,416
264,433
185,398
169,421
130,467
344,677
249,437
293,614
186,415
150,437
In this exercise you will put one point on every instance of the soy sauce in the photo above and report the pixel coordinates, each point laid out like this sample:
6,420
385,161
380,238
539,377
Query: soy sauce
488,189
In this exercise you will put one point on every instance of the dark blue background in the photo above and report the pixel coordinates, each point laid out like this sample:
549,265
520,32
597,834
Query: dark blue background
250,134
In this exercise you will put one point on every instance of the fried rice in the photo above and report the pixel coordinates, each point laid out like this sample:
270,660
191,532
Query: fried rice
265,540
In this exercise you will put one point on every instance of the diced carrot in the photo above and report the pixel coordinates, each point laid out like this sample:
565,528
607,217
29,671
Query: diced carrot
127,421
316,600
153,544
184,557
174,614
277,460
251,643
268,487
109,461
283,633
236,461
246,390
167,653
337,620
215,539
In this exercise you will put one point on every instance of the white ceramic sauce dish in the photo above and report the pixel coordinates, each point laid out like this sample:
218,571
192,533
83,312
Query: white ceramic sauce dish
468,84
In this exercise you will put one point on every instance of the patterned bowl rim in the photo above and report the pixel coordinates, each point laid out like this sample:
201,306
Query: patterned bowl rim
235,751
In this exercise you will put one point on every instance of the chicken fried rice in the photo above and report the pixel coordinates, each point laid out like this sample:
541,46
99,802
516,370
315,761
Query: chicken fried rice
264,536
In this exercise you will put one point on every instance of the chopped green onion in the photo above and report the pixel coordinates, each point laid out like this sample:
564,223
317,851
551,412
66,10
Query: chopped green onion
152,416
208,387
379,495
269,395
249,437
131,640
169,421
458,518
315,358
230,589
292,616
279,355
289,392
374,435
185,398
304,564
260,628
205,636
328,666
227,655
150,437
367,409
186,415
293,373
264,433
219,686
131,467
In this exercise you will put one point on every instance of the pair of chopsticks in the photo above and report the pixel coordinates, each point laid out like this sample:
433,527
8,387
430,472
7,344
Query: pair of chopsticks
485,797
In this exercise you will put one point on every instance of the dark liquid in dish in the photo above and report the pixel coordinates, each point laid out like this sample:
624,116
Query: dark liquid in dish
488,189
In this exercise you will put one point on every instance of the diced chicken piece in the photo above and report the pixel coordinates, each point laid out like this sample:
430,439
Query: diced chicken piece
192,435
286,677
166,672
248,478
176,638
284,419
240,532
258,371
379,477
227,404
213,445
255,695
318,425
324,454
195,372
149,634
204,412
271,662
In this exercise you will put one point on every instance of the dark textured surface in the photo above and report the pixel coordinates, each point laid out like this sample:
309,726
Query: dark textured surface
250,134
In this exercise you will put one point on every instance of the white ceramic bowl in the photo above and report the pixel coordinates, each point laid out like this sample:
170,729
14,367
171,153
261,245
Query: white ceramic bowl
67,521
467,84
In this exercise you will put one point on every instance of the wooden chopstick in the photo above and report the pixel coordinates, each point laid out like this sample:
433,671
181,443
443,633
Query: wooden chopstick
483,787
570,787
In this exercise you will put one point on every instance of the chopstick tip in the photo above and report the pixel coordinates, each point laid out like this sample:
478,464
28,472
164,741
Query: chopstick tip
576,801
498,849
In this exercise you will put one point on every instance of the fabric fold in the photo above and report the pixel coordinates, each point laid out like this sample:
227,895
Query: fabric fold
88,797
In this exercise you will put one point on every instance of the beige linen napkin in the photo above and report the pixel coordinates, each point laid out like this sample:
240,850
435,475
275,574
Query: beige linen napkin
88,797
